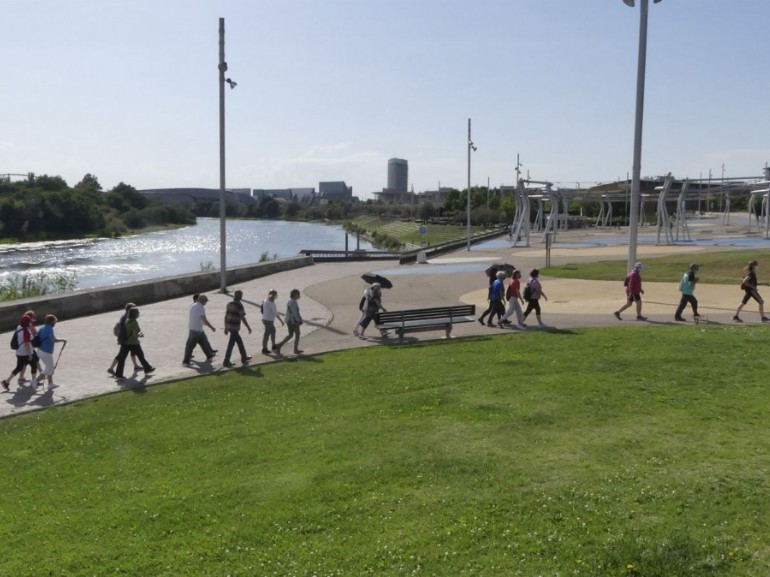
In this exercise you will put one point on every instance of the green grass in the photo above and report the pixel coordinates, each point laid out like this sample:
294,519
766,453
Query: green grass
409,231
716,267
603,452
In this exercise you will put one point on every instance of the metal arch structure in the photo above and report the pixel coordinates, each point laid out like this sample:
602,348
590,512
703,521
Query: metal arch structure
521,225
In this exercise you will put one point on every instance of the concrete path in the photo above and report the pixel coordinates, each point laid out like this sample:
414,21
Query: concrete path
330,296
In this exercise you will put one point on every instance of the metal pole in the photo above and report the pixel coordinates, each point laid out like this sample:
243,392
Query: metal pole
468,215
633,224
222,204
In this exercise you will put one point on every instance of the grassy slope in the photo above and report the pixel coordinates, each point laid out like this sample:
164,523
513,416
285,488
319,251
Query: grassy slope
595,452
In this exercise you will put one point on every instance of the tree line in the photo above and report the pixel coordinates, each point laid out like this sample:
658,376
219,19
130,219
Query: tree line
45,208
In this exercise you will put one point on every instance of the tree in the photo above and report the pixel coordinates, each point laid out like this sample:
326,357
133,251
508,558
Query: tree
89,184
426,211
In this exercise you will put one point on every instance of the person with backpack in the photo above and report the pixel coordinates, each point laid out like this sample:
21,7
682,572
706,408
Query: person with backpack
687,288
46,347
25,351
749,286
119,330
132,345
533,290
513,294
634,292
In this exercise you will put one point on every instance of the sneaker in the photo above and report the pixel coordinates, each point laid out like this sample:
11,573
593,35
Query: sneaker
265,352
228,364
6,386
245,360
542,325
214,352
481,322
696,315
737,319
187,363
384,334
617,315
276,349
149,370
33,385
681,319
641,318
111,371
298,352
52,386
522,326
137,368
355,333
209,358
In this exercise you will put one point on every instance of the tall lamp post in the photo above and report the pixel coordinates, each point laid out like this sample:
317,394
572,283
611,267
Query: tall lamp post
222,205
470,147
633,216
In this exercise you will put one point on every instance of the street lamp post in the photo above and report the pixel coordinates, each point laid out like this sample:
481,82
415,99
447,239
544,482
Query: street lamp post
468,215
222,205
633,217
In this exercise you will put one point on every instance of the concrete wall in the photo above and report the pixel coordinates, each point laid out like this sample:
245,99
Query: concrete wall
96,301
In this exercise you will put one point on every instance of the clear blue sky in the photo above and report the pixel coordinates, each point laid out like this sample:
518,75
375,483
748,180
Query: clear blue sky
330,89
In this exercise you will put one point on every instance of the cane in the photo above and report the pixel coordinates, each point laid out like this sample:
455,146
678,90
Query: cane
61,350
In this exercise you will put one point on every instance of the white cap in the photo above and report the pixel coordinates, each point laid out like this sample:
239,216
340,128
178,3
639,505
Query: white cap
638,266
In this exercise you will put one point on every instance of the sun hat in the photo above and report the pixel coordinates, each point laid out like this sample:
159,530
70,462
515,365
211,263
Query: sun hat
638,266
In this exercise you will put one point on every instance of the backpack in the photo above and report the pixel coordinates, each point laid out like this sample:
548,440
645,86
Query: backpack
625,281
15,340
119,330
527,292
745,284
36,342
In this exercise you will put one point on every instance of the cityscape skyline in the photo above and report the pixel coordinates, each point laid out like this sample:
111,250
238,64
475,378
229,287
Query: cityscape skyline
331,91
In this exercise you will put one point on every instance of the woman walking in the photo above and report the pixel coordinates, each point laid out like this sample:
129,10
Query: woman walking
372,306
131,345
45,350
749,286
25,352
532,293
513,294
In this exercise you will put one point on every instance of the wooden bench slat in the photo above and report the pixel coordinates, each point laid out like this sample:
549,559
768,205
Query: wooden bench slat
432,318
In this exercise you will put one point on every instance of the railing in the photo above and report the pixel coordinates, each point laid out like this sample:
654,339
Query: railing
435,250
348,255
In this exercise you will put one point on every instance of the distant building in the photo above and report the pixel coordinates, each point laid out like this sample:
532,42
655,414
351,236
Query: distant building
398,175
335,190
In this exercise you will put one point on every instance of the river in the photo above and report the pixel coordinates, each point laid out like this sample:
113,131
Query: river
105,262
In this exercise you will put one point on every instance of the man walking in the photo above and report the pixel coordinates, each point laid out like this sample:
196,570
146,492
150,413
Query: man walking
235,314
196,336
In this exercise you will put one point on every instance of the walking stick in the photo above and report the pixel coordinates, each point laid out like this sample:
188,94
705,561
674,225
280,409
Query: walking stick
61,350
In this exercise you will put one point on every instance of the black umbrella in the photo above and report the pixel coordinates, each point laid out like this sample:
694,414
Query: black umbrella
372,278
501,266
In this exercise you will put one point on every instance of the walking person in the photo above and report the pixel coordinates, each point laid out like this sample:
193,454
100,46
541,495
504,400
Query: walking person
515,300
45,351
235,314
497,299
634,292
293,322
492,279
372,307
687,288
363,305
269,314
533,291
196,336
25,352
749,286
132,345
28,319
121,336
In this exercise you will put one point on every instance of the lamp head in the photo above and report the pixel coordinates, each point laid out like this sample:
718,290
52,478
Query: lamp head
629,3
232,83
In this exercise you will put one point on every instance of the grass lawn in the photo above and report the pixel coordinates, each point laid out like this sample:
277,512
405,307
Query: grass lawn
409,231
636,452
716,267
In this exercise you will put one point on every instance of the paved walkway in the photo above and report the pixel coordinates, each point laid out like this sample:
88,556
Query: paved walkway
330,295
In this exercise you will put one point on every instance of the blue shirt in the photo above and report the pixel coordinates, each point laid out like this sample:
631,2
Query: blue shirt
498,289
46,338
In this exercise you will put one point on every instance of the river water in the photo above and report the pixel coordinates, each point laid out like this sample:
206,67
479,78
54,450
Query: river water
105,262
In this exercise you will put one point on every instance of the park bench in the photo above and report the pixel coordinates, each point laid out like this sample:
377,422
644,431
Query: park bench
429,319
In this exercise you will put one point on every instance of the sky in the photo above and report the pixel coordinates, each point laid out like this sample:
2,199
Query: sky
328,90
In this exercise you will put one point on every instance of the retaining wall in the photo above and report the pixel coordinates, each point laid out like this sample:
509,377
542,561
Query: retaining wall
96,301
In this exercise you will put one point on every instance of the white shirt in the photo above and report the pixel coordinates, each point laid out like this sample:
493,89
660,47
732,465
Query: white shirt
269,310
197,312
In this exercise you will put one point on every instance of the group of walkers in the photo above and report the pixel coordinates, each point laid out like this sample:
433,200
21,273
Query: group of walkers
499,294
33,346
128,332
749,286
